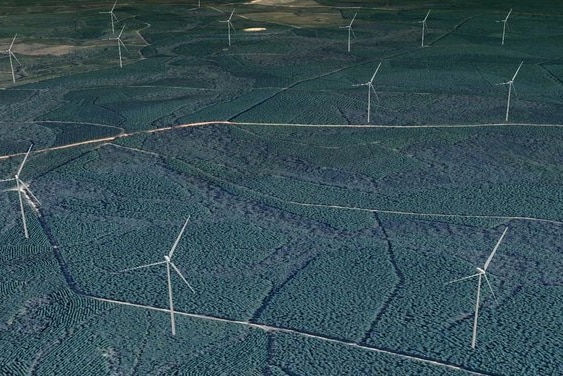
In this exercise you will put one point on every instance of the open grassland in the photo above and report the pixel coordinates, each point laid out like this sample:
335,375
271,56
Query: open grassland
316,249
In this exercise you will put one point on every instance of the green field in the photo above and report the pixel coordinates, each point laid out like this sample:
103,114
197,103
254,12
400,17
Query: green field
317,245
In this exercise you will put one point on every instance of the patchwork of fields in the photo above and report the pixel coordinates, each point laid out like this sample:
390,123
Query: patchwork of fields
318,244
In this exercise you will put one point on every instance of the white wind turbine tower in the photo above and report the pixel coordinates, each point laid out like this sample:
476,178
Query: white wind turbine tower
112,16
23,191
229,26
11,55
350,31
481,273
510,84
119,44
504,21
424,27
369,84
169,264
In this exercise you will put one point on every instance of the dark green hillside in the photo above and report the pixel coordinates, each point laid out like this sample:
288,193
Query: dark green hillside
317,244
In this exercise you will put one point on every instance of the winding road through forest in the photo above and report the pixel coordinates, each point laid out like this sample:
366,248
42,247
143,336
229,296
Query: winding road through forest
235,123
270,328
340,207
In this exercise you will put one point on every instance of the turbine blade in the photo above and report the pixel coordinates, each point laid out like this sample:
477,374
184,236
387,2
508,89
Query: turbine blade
12,44
494,250
517,70
514,90
181,276
508,15
142,266
28,191
427,14
15,57
507,25
353,18
490,287
121,42
121,32
376,70
464,278
231,26
24,160
178,238
113,16
374,92
113,7
231,16
352,31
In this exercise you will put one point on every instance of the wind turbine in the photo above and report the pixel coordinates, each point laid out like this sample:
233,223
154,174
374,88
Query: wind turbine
504,21
119,44
169,264
424,27
481,273
112,16
510,84
369,84
23,191
11,55
350,31
229,26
